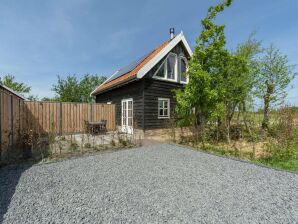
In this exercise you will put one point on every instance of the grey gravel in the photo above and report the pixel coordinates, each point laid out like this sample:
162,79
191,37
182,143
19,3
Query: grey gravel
157,184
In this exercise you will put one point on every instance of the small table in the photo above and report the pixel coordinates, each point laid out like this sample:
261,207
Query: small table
97,127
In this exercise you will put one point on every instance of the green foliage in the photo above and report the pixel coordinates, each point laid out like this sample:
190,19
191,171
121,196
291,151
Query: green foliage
32,98
87,84
201,97
123,142
48,99
73,90
217,78
274,76
285,134
73,146
87,145
248,51
9,81
112,143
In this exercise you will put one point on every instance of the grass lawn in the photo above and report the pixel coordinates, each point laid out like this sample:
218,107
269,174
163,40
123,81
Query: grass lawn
286,165
246,154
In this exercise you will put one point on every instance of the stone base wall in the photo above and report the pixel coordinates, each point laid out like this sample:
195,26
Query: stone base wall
162,135
167,134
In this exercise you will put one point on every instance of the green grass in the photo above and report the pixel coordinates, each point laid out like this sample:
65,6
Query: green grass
291,164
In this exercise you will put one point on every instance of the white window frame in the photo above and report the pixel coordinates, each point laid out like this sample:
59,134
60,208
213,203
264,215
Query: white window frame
165,62
126,128
180,73
169,108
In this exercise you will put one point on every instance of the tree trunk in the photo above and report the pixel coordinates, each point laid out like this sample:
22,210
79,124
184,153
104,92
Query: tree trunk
247,126
265,123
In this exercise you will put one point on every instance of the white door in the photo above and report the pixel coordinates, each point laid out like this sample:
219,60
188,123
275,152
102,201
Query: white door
127,116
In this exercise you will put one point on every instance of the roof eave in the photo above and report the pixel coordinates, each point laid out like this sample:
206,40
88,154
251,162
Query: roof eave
12,92
127,81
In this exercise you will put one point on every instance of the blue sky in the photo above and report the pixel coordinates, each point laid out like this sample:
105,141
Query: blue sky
42,39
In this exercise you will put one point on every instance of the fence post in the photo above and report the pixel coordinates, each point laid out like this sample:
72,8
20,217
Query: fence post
60,120
11,120
91,112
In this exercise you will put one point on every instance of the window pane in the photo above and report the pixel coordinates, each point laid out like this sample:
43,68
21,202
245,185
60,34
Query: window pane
160,112
182,70
129,113
160,104
129,104
166,112
165,104
171,62
161,71
129,121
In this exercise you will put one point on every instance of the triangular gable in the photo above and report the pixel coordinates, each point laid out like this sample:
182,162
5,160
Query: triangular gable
142,66
179,38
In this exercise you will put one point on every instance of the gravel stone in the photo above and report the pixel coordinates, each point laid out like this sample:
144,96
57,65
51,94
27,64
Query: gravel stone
162,183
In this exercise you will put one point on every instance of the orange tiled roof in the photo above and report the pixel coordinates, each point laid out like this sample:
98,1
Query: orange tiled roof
133,71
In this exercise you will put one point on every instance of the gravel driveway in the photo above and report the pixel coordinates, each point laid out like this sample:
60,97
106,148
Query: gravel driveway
155,184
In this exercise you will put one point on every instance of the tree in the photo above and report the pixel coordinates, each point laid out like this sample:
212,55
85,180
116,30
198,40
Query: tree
202,98
275,75
67,90
73,90
32,98
9,81
87,84
248,51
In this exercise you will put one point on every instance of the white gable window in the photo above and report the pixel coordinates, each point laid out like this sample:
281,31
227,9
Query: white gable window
172,66
182,69
168,69
163,108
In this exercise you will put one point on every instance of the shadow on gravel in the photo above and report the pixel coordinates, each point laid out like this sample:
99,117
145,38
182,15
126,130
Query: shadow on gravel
9,179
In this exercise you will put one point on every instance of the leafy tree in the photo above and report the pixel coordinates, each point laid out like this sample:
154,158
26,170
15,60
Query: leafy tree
235,89
48,99
248,51
202,98
32,98
87,84
73,90
9,81
67,90
275,75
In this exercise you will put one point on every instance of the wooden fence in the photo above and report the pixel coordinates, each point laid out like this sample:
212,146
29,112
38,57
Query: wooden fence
11,113
63,118
45,117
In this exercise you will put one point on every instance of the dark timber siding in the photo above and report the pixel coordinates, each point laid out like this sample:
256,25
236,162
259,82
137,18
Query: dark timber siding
154,89
133,90
145,94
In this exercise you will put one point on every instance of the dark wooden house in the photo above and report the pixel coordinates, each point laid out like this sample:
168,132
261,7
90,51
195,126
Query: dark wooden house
143,91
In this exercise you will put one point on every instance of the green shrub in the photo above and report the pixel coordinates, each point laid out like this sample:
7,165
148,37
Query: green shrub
112,143
87,145
123,142
73,146
284,143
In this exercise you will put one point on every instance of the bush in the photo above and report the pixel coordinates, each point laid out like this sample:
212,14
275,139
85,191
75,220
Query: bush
123,142
87,145
284,145
73,146
112,143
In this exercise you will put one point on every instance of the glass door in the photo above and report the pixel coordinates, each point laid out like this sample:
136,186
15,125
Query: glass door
127,116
